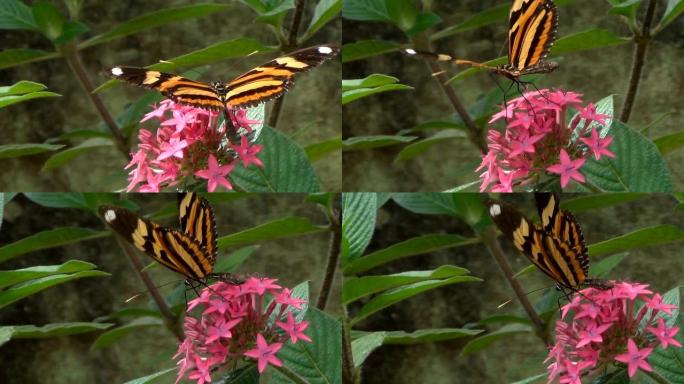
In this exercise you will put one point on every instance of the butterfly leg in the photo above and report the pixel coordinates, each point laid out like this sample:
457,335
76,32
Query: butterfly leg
230,129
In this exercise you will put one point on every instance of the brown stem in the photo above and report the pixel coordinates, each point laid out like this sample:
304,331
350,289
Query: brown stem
70,53
170,320
291,45
474,133
488,237
348,370
333,260
292,375
642,40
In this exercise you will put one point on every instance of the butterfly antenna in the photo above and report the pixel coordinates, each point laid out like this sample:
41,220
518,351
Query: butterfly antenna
135,296
526,293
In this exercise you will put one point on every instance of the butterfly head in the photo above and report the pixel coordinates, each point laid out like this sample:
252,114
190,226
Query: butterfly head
219,88
108,214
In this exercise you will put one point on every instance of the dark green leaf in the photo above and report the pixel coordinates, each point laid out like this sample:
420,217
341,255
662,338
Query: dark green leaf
534,379
428,203
318,150
19,292
358,223
18,56
488,16
403,13
626,8
232,262
365,10
484,341
368,142
154,20
113,335
367,48
18,150
286,167
325,11
599,200
49,330
17,276
428,335
48,18
152,378
417,148
655,235
15,14
277,229
59,200
669,143
423,22
48,239
70,31
407,248
65,156
669,362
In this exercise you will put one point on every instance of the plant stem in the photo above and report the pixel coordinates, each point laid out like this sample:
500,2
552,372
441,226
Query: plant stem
170,320
348,370
333,259
642,40
70,53
474,133
488,237
291,45
292,375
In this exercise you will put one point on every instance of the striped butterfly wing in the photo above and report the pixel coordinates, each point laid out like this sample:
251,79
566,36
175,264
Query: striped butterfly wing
271,80
545,250
177,88
197,220
175,250
532,27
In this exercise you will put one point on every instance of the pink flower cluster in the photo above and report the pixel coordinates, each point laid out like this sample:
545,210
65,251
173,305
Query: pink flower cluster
538,140
189,143
605,329
236,325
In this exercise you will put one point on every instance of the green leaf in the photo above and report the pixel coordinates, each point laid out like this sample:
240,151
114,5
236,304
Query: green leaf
113,335
49,330
276,229
59,200
428,203
357,287
48,239
649,236
599,200
370,81
325,11
286,167
403,13
417,148
366,10
669,362
533,379
364,49
318,150
22,91
155,19
607,264
369,142
359,93
18,56
64,157
211,54
488,16
484,341
17,276
15,14
318,362
27,149
19,292
152,378
428,335
363,346
358,223
3,200
233,261
407,248
669,143
626,8
673,10
48,18
70,31
423,22
637,166
434,125
394,296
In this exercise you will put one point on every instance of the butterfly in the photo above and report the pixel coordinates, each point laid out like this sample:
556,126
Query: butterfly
258,85
532,27
555,246
190,251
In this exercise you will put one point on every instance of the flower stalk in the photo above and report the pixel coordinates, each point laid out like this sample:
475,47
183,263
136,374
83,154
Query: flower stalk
334,249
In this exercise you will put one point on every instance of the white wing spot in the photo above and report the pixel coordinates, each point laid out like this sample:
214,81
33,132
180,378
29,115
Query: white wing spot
116,71
325,50
410,51
110,215
495,210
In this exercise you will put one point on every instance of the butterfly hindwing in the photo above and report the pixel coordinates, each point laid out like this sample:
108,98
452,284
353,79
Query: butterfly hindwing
197,221
271,80
174,249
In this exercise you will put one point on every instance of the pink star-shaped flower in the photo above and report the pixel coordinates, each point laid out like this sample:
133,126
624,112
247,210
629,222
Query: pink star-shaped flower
173,148
294,330
598,145
664,334
635,358
180,119
505,182
157,112
524,145
589,113
264,353
247,153
260,286
240,120
592,335
567,168
656,303
221,330
631,291
215,174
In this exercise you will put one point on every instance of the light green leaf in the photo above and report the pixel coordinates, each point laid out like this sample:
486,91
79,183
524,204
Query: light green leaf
325,11
113,335
369,142
65,156
359,93
370,81
407,248
26,149
363,346
286,167
49,330
358,223
669,362
364,49
155,19
488,16
366,10
316,151
626,8
427,203
59,200
277,229
534,379
15,14
673,10
48,239
394,296
484,341
48,18
153,377
355,288
428,335
670,143
17,276
599,200
19,292
649,236
417,148
22,91
232,262
18,56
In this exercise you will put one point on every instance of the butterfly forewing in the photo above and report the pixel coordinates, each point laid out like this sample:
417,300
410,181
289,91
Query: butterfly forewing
197,220
174,249
271,80
532,31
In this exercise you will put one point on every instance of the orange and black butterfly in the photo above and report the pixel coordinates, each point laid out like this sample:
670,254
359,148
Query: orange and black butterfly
190,251
258,85
532,27
555,246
